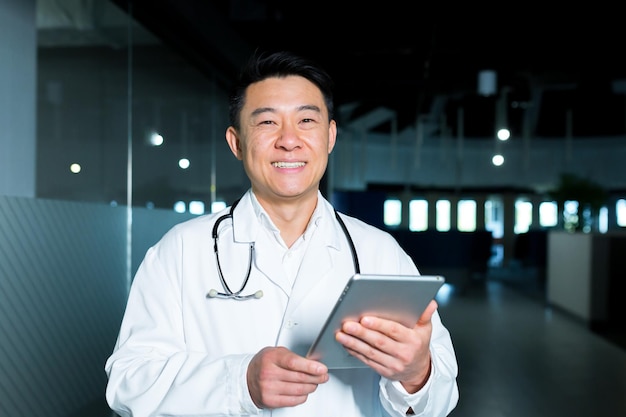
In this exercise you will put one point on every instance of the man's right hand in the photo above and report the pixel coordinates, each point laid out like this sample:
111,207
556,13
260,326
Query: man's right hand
277,377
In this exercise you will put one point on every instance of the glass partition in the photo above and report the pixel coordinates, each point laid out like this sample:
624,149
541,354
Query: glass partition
118,110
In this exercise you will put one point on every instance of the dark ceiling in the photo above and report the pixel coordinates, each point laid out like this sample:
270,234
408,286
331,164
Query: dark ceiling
417,61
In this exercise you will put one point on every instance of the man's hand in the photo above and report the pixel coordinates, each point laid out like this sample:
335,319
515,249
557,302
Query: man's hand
391,349
277,377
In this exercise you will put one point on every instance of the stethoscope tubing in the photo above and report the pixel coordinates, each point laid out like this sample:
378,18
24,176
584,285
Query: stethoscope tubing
228,293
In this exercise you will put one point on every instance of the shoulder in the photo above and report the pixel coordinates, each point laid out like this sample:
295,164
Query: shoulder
378,251
189,231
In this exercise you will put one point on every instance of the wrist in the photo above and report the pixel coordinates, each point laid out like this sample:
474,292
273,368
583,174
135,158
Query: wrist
412,386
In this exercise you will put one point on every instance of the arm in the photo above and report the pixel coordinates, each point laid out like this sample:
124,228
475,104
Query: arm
418,366
152,371
173,342
438,394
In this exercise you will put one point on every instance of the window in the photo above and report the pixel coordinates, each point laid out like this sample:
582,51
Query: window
443,215
603,220
620,210
523,216
218,206
494,215
196,207
392,215
548,214
418,215
466,215
180,207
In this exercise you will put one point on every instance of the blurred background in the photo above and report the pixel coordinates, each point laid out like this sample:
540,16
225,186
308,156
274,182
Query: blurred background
480,138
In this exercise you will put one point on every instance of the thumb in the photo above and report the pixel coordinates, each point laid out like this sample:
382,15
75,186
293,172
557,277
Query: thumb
424,319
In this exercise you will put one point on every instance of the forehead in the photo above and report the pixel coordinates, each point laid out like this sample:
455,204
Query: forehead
280,91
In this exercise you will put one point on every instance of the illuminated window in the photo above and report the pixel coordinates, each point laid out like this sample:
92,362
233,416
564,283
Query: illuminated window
466,215
392,212
180,207
196,207
418,215
620,210
523,216
443,215
217,206
494,215
548,214
603,220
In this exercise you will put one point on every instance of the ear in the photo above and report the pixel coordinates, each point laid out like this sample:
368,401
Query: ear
232,138
332,135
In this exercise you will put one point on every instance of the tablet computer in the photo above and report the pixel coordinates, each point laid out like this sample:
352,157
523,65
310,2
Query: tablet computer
402,298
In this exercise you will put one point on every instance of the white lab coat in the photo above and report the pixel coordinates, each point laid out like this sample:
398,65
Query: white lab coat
181,354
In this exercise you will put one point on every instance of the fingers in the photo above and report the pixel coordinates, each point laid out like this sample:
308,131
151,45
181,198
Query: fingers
374,341
278,377
388,347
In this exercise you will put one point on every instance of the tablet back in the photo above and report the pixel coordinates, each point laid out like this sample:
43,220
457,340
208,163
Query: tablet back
401,298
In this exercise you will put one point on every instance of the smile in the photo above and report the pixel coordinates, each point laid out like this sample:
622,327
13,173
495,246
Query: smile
288,164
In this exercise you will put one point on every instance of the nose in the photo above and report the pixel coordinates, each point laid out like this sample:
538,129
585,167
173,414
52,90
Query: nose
288,138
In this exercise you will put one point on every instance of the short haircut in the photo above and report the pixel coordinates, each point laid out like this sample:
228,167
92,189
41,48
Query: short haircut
278,64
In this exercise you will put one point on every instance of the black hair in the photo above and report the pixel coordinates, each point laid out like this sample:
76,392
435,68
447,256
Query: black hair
278,64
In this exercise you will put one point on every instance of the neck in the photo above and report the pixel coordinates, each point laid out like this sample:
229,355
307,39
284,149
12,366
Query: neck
291,218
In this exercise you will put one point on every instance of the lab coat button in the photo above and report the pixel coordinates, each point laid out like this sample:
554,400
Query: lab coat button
289,324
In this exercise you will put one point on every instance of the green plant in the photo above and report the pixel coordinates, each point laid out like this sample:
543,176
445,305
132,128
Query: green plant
590,196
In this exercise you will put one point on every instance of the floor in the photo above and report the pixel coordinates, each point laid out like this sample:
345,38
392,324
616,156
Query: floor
519,358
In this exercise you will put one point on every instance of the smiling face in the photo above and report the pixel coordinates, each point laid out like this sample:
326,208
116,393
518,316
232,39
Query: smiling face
285,138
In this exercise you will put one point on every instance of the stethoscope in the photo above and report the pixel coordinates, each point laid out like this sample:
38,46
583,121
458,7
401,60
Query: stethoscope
228,293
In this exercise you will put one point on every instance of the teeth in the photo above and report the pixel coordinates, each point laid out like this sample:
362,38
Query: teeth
288,164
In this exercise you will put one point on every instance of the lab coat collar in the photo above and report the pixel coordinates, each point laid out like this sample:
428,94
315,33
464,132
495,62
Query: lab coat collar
248,226
321,252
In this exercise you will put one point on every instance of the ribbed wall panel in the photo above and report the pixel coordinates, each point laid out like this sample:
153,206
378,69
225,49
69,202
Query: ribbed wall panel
63,291
62,294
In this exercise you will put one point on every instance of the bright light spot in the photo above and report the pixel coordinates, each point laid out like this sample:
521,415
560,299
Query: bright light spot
620,210
504,134
75,168
445,293
603,220
156,139
184,163
217,206
180,207
523,216
442,219
196,207
497,160
418,215
392,212
466,215
548,214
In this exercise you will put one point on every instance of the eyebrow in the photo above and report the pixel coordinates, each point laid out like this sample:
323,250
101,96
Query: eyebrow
262,110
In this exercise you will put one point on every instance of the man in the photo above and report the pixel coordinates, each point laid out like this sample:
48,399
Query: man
226,334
